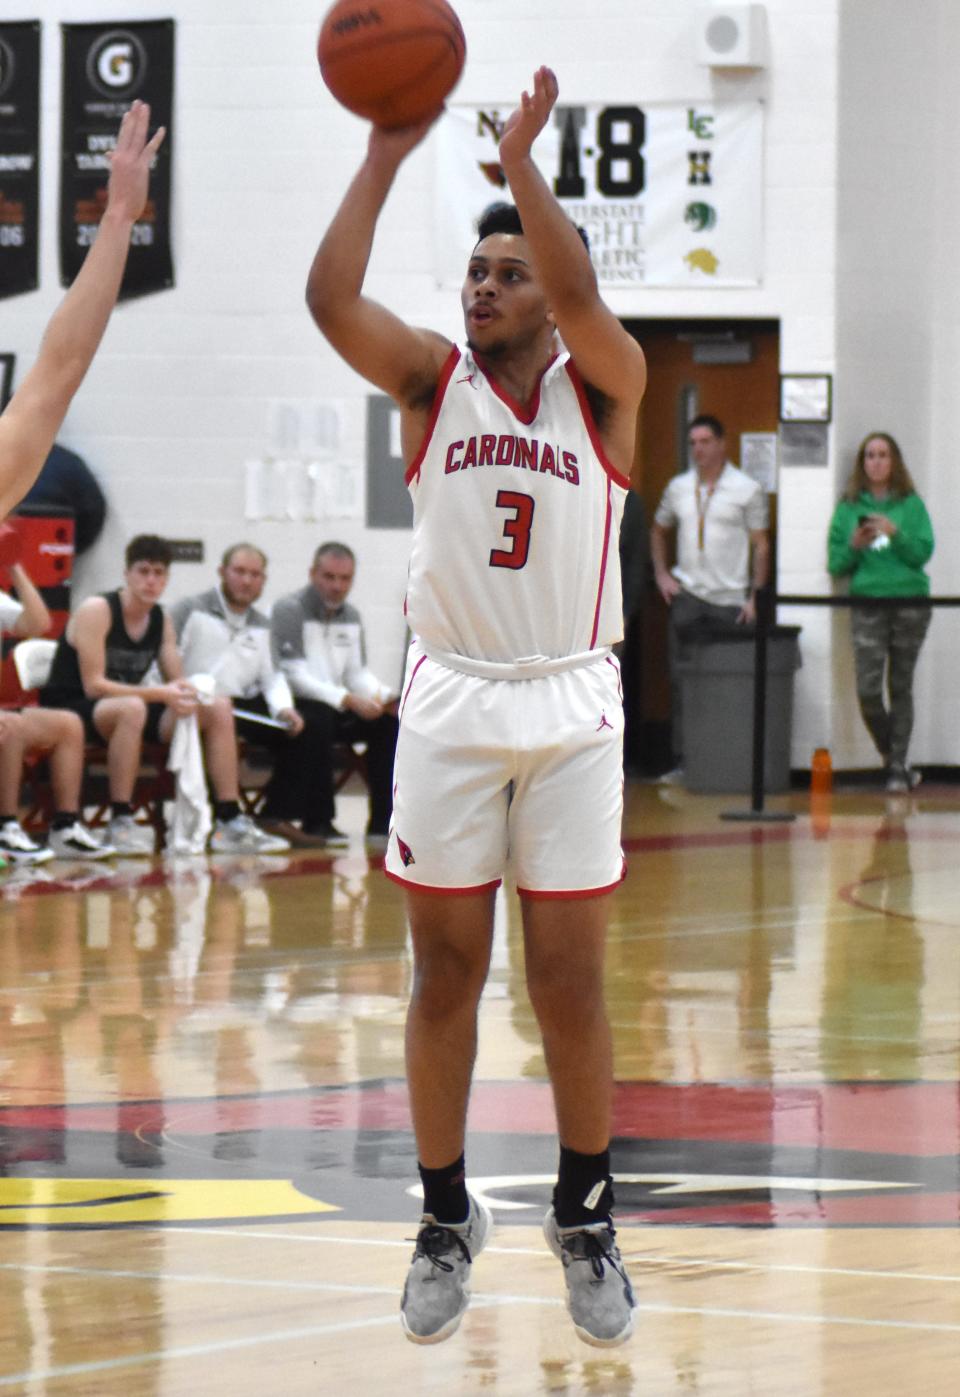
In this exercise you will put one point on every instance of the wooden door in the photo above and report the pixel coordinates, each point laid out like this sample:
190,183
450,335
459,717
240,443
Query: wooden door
729,369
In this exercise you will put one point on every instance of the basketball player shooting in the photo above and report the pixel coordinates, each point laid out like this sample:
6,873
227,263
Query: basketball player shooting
33,416
518,449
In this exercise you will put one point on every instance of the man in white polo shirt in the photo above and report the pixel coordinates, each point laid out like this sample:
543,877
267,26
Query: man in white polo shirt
723,551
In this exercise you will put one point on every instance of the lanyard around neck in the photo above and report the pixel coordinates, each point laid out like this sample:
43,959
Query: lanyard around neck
703,502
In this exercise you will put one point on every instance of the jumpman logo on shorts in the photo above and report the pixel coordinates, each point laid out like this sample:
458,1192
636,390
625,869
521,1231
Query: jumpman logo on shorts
603,723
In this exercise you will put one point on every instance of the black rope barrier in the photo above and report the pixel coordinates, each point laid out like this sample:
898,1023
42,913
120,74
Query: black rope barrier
767,603
789,600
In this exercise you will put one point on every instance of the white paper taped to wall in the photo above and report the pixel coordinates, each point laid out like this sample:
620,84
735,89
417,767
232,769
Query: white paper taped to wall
299,489
313,464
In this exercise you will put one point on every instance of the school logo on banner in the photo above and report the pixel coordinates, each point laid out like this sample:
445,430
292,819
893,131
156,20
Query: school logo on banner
669,194
105,67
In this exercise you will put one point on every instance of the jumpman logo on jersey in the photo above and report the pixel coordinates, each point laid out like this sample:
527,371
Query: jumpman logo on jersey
603,723
468,378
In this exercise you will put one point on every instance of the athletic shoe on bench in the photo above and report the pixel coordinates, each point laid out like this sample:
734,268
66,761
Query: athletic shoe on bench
241,836
332,837
17,846
437,1290
77,841
131,839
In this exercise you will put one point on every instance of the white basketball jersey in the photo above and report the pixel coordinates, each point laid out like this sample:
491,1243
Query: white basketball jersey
516,521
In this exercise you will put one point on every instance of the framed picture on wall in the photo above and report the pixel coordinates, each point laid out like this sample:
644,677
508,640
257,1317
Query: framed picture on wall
806,397
7,362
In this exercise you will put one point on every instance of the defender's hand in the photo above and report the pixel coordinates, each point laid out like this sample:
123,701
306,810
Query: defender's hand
130,163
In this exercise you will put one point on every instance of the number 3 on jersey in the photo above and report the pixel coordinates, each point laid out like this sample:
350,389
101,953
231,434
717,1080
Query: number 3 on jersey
517,530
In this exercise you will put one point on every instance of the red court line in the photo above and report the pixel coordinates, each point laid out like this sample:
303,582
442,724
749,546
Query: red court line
908,1118
300,866
848,893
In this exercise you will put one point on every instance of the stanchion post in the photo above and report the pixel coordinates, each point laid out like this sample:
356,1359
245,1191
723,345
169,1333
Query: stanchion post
766,615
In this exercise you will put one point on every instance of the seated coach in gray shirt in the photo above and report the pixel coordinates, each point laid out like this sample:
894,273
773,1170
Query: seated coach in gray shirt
221,632
318,644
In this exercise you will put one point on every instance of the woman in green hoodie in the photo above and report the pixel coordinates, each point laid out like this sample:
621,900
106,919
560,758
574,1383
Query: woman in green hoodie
881,537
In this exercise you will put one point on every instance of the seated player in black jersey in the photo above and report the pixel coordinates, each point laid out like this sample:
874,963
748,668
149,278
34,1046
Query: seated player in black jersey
102,671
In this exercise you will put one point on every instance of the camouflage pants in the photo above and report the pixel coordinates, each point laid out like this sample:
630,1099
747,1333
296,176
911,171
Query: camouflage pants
886,643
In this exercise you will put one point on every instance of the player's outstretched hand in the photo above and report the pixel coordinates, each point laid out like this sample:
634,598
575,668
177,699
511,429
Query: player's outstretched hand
131,161
525,124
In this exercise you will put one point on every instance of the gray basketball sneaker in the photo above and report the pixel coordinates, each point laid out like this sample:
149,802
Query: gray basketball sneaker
241,836
599,1294
132,840
437,1291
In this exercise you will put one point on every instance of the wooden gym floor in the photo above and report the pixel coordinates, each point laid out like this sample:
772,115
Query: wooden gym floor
205,1153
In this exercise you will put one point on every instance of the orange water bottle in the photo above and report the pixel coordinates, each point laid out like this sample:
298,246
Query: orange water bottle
821,772
821,801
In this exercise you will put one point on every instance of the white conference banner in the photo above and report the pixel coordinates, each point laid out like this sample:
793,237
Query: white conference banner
670,194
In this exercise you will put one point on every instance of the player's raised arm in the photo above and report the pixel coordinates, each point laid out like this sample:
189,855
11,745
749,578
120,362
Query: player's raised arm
606,355
399,359
34,414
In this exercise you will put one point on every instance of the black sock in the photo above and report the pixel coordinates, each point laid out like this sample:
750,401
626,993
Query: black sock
119,808
226,810
584,1190
63,819
445,1192
5,819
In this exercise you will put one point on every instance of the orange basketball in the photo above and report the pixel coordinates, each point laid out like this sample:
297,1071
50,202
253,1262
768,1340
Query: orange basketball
391,61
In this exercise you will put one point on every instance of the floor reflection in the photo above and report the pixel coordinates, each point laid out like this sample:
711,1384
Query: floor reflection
201,1067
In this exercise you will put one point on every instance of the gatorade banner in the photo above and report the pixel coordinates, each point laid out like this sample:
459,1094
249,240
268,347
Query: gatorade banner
669,194
105,66
19,155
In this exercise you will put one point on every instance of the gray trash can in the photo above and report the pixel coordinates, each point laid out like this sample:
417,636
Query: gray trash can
717,678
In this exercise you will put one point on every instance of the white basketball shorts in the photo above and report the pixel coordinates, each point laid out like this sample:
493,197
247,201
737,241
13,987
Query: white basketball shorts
518,776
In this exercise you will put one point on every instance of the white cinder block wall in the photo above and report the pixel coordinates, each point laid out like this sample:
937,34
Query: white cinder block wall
898,308
179,396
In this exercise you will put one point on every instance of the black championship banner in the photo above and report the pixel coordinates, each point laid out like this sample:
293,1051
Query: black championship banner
19,155
105,66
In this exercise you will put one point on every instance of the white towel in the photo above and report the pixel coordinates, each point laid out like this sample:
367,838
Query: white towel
191,808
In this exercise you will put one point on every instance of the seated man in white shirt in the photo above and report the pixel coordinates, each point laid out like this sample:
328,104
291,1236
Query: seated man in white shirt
222,632
721,520
54,732
318,643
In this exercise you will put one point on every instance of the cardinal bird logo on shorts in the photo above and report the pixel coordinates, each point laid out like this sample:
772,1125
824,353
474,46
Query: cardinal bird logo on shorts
406,853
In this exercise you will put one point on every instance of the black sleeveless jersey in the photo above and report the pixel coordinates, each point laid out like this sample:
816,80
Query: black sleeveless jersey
127,660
